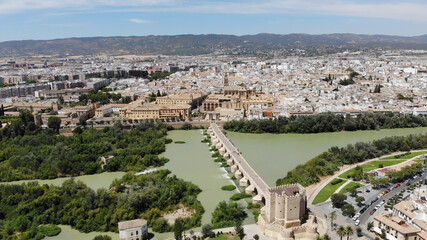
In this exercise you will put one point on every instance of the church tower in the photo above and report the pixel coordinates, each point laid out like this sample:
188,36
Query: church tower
226,80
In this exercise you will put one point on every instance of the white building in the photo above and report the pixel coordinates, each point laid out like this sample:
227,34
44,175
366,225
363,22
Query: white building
136,229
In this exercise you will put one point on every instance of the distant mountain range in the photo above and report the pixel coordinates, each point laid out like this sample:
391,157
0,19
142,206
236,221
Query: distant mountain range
208,44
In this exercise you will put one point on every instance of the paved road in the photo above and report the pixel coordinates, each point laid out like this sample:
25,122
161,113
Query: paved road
366,217
243,165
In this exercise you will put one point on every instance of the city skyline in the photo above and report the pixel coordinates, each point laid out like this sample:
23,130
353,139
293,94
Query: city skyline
47,19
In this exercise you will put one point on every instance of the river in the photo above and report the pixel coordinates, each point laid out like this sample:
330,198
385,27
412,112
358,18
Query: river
95,181
273,155
192,161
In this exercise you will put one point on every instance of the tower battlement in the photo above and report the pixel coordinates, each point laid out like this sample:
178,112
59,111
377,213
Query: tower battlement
288,191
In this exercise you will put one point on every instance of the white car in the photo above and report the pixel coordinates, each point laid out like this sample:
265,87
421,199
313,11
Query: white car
357,222
356,216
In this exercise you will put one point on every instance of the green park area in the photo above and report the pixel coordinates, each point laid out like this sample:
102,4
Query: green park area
407,155
226,237
371,166
420,161
328,190
345,189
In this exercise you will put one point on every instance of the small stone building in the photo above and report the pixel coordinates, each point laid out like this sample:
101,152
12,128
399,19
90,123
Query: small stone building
136,229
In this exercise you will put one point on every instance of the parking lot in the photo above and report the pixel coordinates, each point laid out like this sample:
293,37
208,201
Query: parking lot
373,197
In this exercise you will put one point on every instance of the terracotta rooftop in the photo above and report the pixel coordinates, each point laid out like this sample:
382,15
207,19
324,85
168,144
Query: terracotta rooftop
397,223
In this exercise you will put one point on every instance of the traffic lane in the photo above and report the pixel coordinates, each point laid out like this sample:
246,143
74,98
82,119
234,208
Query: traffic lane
365,216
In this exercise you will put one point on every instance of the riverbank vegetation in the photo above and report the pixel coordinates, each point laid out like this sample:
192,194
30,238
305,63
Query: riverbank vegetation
407,155
29,152
228,214
328,162
327,122
23,208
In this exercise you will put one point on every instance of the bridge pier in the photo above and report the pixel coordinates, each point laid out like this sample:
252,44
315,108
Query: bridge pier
257,200
238,175
250,189
222,151
243,182
233,168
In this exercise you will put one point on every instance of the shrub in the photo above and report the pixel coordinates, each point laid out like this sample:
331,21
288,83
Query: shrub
228,187
239,196
50,230
336,181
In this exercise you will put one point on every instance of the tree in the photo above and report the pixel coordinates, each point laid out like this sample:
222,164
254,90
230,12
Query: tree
2,110
83,99
54,123
348,210
82,122
256,237
349,231
61,100
383,233
227,214
369,226
353,191
77,130
333,216
178,228
26,116
360,199
102,237
240,231
359,231
207,231
326,237
341,231
338,199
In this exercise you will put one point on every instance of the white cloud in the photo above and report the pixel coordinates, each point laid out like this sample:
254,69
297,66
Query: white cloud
410,10
139,21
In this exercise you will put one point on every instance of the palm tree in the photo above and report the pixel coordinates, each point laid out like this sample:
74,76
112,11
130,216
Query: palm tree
349,231
333,216
341,231
326,237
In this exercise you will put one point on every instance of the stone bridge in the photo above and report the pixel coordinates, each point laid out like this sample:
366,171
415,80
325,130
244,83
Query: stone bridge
243,172
283,208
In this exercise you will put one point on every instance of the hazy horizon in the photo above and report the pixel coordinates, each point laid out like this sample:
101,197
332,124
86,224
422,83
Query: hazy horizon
51,19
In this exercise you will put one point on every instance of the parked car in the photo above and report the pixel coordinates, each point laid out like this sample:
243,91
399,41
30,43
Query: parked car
398,185
373,211
357,222
367,190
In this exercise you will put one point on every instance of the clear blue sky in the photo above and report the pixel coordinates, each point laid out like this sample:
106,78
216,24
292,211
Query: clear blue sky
50,19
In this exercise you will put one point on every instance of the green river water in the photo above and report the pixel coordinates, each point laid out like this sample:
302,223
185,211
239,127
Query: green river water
271,155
